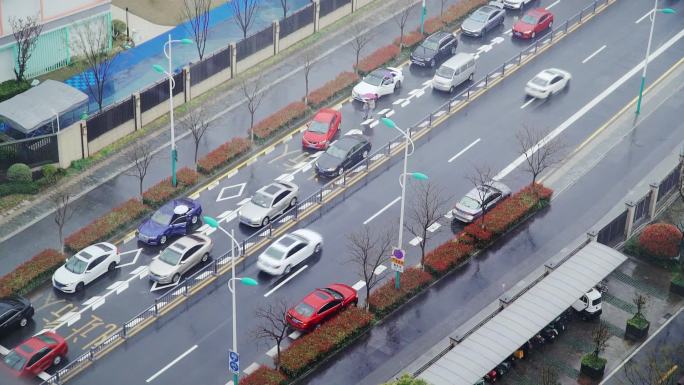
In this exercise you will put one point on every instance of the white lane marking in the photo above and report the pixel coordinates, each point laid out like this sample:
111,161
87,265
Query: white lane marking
643,17
171,364
99,301
414,91
120,289
367,121
286,280
73,319
527,103
582,111
449,215
464,150
359,285
381,210
4,351
220,216
484,48
419,93
378,270
553,4
427,82
594,54
398,101
295,334
129,238
306,167
212,185
204,227
434,227
406,103
156,286
209,231
389,114
508,32
272,351
269,150
375,123
251,368
242,202
383,111
497,40
231,174
44,376
415,241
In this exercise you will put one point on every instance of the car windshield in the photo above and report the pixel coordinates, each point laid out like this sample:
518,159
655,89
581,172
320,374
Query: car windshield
334,293
304,309
170,256
319,127
445,72
76,265
540,81
261,200
336,152
529,19
469,203
479,17
430,44
14,360
275,252
161,217
373,78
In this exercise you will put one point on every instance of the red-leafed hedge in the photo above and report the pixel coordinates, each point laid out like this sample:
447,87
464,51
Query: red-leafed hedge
328,91
378,58
460,9
433,25
279,119
411,39
31,273
107,225
264,376
447,256
481,235
386,298
223,155
333,334
163,191
661,240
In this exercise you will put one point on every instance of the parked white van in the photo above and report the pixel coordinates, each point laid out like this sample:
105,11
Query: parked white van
454,71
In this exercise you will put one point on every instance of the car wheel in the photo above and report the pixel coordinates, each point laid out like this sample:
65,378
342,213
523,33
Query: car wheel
176,278
364,155
317,248
472,75
340,171
432,63
23,322
397,86
57,360
194,219
111,267
453,50
205,257
451,89
534,34
287,270
162,240
266,221
80,286
293,202
551,25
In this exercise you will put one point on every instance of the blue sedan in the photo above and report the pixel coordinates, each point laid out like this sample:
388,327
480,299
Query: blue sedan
174,218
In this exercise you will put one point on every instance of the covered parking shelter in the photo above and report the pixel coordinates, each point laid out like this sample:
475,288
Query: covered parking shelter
521,316
42,109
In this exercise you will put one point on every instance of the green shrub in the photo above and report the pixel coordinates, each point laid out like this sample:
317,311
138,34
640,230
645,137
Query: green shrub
19,172
406,379
678,279
118,28
18,188
593,361
638,321
12,88
49,171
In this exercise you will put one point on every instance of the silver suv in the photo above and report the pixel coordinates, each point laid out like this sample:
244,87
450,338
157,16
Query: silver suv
269,202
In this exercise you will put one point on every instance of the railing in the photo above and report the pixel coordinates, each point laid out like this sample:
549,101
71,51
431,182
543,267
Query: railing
322,200
33,151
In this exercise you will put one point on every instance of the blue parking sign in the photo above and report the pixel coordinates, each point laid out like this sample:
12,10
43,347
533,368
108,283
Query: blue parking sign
234,362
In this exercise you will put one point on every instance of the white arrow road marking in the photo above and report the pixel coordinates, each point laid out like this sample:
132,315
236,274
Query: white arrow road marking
498,40
307,167
527,103
383,111
463,151
398,101
382,210
359,285
240,189
378,270
389,114
156,286
415,241
434,227
171,364
135,258
292,275
367,121
251,368
94,302
414,91
508,32
419,93
122,287
406,103
295,334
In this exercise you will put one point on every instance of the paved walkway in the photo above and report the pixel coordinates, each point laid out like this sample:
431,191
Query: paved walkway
140,29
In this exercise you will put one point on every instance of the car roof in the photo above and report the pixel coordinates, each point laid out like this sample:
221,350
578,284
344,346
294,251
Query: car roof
187,242
287,241
488,9
546,75
438,36
94,251
275,188
348,141
317,298
325,115
538,12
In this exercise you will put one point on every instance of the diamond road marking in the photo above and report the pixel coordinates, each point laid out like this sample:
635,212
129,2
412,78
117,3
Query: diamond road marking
378,270
415,241
295,334
135,258
359,285
433,227
240,189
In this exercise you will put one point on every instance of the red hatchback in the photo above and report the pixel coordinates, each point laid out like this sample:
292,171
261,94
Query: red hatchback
37,354
322,129
535,21
320,305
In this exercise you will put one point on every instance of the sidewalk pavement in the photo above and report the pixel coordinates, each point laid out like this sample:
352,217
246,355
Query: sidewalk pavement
140,29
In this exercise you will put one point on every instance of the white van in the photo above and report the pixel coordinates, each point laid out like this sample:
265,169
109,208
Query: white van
454,71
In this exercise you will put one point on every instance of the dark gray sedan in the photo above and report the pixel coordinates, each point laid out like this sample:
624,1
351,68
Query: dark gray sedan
483,19
486,196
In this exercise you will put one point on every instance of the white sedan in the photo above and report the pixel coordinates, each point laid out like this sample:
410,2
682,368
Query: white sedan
86,266
289,251
547,83
382,81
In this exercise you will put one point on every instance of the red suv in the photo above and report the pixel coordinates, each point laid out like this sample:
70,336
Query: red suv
37,354
320,305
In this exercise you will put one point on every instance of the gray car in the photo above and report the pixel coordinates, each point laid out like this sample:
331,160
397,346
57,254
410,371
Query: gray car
269,202
180,257
488,195
483,19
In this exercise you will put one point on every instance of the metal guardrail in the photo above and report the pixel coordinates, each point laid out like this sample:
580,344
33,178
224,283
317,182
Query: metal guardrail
321,199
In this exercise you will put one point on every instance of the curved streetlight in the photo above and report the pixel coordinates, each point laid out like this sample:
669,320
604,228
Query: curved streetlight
652,15
402,182
172,84
247,281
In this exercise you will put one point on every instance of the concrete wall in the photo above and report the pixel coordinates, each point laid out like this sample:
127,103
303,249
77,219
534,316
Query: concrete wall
161,109
361,3
111,136
335,15
69,144
254,59
210,82
296,36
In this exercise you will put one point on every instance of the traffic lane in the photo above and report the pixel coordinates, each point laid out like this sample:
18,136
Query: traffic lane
392,345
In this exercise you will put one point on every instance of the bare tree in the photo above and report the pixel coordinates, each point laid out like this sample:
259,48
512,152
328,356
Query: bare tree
285,6
368,251
62,214
428,206
659,366
196,12
92,43
141,156
308,65
360,40
26,31
244,12
442,4
548,376
599,338
273,325
195,122
639,301
401,19
480,177
254,96
539,153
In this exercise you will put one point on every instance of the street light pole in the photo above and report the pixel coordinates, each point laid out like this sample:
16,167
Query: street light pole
397,276
423,11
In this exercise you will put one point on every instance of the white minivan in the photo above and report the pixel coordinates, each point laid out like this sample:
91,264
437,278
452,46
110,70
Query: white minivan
454,71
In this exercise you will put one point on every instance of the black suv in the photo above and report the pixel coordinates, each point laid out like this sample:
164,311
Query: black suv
436,47
14,312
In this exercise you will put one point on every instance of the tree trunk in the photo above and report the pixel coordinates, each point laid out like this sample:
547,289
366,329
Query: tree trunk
306,89
141,188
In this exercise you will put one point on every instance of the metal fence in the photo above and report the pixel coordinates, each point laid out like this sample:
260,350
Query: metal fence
255,43
110,118
641,208
615,230
317,204
210,66
33,152
296,21
670,182
328,6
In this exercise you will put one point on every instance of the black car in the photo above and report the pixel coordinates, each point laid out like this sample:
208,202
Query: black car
438,46
342,155
14,312
484,19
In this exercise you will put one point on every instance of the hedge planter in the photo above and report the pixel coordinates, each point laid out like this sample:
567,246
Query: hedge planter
637,328
593,366
677,284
